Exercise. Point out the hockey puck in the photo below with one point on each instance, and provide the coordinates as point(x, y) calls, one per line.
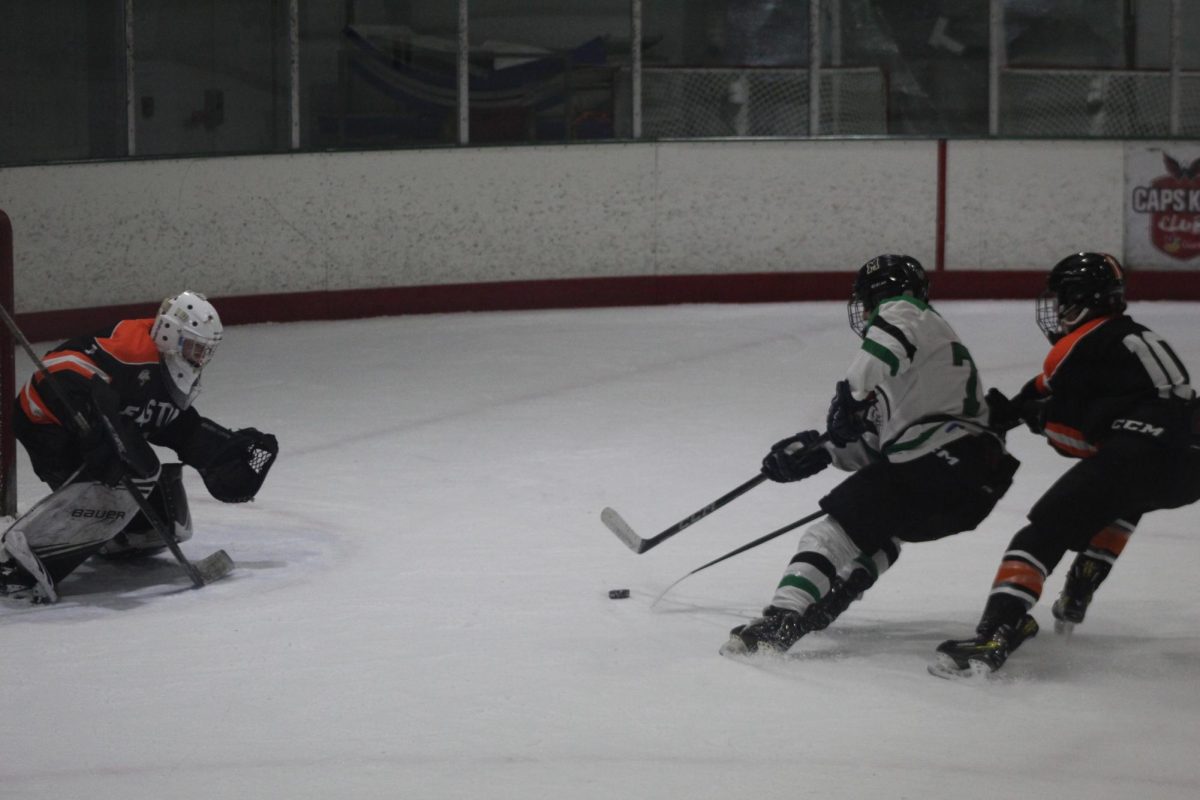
point(618, 594)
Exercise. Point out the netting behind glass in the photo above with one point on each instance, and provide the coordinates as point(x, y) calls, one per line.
point(695, 102)
point(1107, 103)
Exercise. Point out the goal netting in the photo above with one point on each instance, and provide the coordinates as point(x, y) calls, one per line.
point(1103, 103)
point(703, 102)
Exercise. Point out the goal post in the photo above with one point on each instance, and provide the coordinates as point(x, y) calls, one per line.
point(8, 450)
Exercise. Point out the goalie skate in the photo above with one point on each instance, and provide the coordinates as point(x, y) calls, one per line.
point(38, 586)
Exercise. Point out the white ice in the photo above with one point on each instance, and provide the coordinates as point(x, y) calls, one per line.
point(420, 606)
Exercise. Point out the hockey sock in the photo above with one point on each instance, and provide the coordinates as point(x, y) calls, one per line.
point(824, 550)
point(876, 563)
point(1016, 588)
point(1108, 544)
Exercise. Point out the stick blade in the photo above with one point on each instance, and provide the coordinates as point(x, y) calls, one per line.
point(613, 521)
point(213, 567)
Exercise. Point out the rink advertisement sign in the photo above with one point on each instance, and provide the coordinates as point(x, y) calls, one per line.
point(1162, 205)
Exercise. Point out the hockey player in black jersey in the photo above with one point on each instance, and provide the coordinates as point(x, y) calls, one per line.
point(133, 386)
point(1113, 394)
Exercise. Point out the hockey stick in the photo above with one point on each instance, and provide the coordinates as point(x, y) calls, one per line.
point(212, 567)
point(762, 539)
point(637, 544)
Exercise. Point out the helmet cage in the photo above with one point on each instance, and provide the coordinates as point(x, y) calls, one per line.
point(1081, 287)
point(186, 332)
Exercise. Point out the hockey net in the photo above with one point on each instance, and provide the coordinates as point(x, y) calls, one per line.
point(1103, 103)
point(703, 102)
point(8, 450)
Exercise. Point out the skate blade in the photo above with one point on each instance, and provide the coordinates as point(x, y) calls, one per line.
point(735, 647)
point(945, 667)
point(1063, 627)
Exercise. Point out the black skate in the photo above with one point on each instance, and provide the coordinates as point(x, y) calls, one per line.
point(983, 655)
point(1084, 577)
point(775, 631)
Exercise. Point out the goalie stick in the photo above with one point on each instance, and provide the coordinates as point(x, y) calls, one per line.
point(617, 524)
point(212, 567)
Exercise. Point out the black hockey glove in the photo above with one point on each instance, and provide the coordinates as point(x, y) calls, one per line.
point(1003, 414)
point(796, 458)
point(1026, 406)
point(238, 468)
point(847, 420)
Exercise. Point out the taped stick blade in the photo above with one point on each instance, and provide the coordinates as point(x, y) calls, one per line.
point(612, 520)
point(214, 567)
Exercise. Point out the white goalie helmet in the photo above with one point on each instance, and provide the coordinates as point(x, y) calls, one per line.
point(186, 332)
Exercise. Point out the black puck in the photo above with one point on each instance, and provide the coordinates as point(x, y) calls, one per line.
point(618, 594)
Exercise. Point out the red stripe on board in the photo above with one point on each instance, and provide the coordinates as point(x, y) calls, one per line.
point(772, 287)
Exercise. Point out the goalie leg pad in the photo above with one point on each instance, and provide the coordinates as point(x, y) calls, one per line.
point(169, 501)
point(70, 524)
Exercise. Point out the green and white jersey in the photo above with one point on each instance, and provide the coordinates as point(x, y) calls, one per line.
point(927, 390)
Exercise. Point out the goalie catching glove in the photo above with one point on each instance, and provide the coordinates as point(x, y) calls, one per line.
point(239, 465)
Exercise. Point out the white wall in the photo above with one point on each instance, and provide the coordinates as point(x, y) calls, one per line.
point(1023, 204)
point(91, 235)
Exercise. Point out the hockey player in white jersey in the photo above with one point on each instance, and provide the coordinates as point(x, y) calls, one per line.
point(910, 423)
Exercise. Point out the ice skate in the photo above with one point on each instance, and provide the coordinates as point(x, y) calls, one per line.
point(22, 574)
point(775, 631)
point(1071, 607)
point(983, 654)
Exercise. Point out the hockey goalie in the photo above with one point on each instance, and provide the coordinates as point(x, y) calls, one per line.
point(88, 421)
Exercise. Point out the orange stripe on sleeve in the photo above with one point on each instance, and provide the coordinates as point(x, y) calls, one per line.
point(35, 408)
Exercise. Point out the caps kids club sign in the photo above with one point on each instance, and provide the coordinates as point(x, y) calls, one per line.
point(1162, 209)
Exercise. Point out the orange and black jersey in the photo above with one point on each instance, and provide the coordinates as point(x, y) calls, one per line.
point(118, 370)
point(1113, 376)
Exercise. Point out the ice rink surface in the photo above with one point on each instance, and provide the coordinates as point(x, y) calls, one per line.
point(420, 607)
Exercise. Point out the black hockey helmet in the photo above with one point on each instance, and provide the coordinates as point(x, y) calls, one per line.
point(1081, 287)
point(883, 277)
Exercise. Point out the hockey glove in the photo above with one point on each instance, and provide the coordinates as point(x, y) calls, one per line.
point(1026, 406)
point(847, 420)
point(1003, 414)
point(238, 469)
point(796, 458)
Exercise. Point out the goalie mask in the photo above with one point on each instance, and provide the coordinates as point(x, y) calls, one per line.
point(1081, 287)
point(880, 278)
point(186, 332)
